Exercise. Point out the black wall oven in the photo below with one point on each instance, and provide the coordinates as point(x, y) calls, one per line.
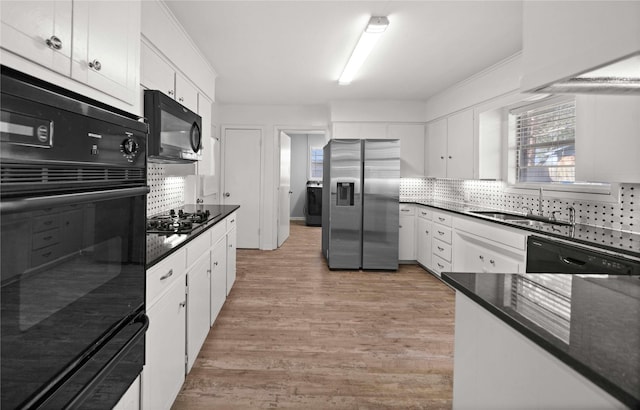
point(73, 204)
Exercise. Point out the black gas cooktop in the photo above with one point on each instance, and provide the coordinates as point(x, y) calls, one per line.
point(178, 222)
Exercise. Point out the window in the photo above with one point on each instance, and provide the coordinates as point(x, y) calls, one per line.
point(315, 163)
point(545, 142)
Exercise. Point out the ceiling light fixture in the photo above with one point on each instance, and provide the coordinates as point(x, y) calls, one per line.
point(369, 37)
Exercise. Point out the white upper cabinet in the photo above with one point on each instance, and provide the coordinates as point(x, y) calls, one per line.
point(186, 93)
point(95, 43)
point(156, 73)
point(106, 46)
point(565, 38)
point(39, 31)
point(411, 138)
point(608, 138)
point(449, 152)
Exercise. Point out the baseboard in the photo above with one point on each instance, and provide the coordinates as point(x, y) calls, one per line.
point(297, 218)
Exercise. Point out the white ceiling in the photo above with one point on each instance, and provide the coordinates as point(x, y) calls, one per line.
point(292, 52)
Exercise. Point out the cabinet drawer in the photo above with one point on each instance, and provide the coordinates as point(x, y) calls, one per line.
point(46, 222)
point(442, 233)
point(441, 249)
point(442, 218)
point(424, 213)
point(440, 265)
point(161, 276)
point(198, 247)
point(231, 221)
point(45, 238)
point(218, 231)
point(44, 255)
point(407, 209)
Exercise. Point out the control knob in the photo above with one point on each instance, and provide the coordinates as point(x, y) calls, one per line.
point(129, 148)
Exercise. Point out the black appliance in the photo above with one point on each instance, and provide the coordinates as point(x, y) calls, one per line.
point(174, 130)
point(549, 256)
point(313, 204)
point(72, 279)
point(179, 222)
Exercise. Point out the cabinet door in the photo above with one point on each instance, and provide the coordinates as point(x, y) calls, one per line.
point(198, 308)
point(411, 138)
point(186, 93)
point(436, 148)
point(206, 162)
point(460, 145)
point(218, 278)
point(607, 143)
point(155, 72)
point(231, 259)
point(406, 237)
point(28, 25)
point(164, 370)
point(423, 234)
point(106, 47)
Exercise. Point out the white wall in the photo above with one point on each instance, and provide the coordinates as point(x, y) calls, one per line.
point(377, 111)
point(271, 119)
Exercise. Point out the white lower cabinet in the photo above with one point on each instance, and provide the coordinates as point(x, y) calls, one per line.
point(198, 307)
point(231, 258)
point(130, 400)
point(407, 233)
point(164, 370)
point(218, 278)
point(423, 251)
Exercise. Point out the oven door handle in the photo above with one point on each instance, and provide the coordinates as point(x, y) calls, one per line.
point(43, 202)
point(83, 394)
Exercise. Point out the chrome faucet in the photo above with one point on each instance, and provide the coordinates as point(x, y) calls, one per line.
point(572, 215)
point(540, 203)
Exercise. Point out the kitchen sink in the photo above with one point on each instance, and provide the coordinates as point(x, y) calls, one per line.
point(527, 220)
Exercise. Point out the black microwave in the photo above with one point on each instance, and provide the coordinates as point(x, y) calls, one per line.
point(174, 130)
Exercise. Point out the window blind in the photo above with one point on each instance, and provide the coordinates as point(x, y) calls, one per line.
point(316, 163)
point(545, 142)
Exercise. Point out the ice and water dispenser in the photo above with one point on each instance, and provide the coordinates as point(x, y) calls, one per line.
point(345, 194)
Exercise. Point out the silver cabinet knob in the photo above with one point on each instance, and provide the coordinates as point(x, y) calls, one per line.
point(441, 157)
point(481, 257)
point(54, 43)
point(491, 261)
point(183, 304)
point(227, 194)
point(170, 92)
point(95, 64)
point(180, 99)
point(450, 157)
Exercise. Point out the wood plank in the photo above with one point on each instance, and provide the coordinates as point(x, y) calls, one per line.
point(293, 334)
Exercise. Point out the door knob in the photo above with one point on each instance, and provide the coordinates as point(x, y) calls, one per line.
point(227, 194)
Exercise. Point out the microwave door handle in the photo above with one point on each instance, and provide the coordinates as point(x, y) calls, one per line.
point(42, 202)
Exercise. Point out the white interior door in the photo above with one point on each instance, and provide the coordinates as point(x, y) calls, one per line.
point(242, 164)
point(284, 189)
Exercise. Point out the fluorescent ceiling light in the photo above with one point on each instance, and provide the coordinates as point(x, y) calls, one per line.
point(368, 39)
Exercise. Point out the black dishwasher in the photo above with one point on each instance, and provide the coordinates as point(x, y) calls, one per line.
point(549, 256)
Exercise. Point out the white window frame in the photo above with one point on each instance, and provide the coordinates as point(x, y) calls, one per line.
point(310, 164)
point(604, 192)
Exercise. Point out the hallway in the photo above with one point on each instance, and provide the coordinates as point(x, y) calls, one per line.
point(293, 334)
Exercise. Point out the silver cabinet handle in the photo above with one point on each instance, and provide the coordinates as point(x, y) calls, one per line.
point(481, 257)
point(170, 92)
point(180, 99)
point(227, 194)
point(441, 219)
point(423, 212)
point(441, 157)
point(400, 226)
point(95, 64)
point(440, 249)
point(427, 232)
point(440, 266)
point(54, 43)
point(167, 275)
point(183, 303)
point(450, 157)
point(404, 210)
point(441, 233)
point(232, 221)
point(215, 263)
point(491, 261)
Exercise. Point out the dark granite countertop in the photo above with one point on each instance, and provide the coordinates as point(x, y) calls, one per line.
point(589, 322)
point(627, 243)
point(159, 246)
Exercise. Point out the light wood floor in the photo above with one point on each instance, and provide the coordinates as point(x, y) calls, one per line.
point(293, 334)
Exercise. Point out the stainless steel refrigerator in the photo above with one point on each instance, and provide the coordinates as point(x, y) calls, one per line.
point(361, 180)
